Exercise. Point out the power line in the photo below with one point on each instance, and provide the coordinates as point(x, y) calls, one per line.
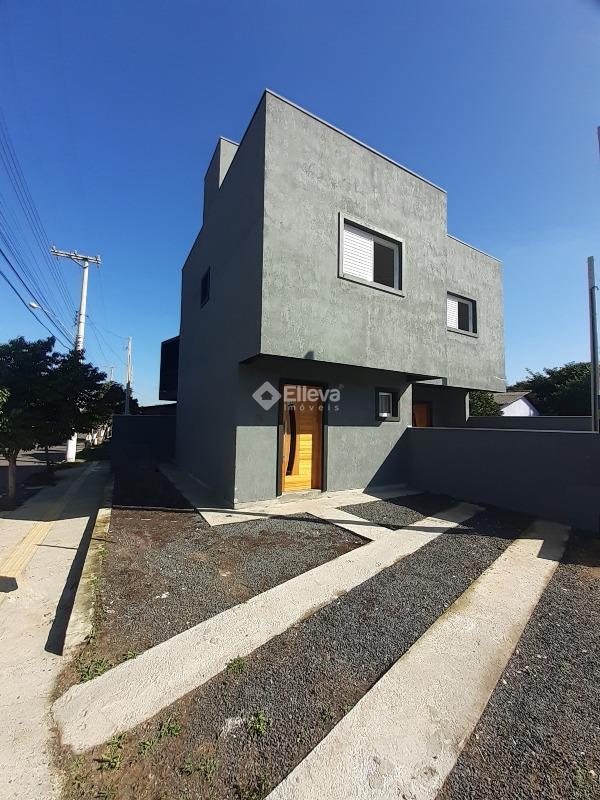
point(107, 344)
point(29, 210)
point(36, 277)
point(16, 291)
point(35, 294)
point(46, 313)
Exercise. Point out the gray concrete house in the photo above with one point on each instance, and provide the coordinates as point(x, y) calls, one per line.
point(324, 310)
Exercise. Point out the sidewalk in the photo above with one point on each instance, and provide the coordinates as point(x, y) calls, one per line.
point(42, 546)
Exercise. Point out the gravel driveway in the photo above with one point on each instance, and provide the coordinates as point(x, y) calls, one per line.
point(165, 569)
point(245, 730)
point(539, 737)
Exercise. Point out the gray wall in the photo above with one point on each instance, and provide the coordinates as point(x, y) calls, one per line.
point(551, 474)
point(142, 439)
point(312, 174)
point(361, 451)
point(216, 337)
point(476, 361)
point(215, 174)
point(532, 423)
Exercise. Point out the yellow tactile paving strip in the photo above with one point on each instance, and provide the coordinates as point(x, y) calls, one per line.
point(14, 564)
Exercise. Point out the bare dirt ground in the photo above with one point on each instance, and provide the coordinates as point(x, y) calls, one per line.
point(165, 569)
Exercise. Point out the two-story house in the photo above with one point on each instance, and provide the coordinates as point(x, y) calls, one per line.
point(324, 309)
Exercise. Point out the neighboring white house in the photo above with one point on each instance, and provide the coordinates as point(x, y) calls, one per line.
point(515, 404)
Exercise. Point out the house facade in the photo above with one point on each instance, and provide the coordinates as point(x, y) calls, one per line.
point(516, 404)
point(324, 310)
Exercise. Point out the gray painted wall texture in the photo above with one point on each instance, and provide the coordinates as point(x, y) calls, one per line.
point(142, 439)
point(551, 474)
point(214, 338)
point(313, 174)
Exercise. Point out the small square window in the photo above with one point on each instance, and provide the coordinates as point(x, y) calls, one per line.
point(461, 314)
point(386, 404)
point(205, 288)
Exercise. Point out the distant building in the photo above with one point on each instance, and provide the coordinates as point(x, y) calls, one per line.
point(516, 404)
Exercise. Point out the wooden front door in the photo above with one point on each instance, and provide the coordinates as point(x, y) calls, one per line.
point(302, 450)
point(421, 415)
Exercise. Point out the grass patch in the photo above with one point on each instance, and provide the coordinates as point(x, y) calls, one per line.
point(206, 767)
point(111, 757)
point(169, 728)
point(237, 666)
point(129, 655)
point(145, 746)
point(257, 723)
point(89, 670)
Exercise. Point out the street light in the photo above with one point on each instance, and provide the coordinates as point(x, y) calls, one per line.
point(37, 306)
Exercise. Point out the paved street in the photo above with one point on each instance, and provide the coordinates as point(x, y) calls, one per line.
point(42, 547)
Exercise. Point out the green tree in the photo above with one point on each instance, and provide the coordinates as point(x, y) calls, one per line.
point(50, 396)
point(25, 368)
point(482, 404)
point(559, 391)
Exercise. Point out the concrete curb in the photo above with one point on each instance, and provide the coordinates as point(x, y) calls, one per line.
point(82, 614)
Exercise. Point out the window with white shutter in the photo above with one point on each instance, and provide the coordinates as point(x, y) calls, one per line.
point(460, 314)
point(370, 258)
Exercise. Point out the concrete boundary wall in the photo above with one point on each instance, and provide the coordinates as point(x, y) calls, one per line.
point(142, 439)
point(532, 423)
point(551, 474)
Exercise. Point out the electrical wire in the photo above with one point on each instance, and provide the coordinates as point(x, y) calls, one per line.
point(17, 257)
point(16, 291)
point(107, 344)
point(37, 225)
point(22, 192)
point(56, 324)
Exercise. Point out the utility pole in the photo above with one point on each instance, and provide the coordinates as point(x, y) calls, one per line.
point(83, 262)
point(593, 288)
point(128, 382)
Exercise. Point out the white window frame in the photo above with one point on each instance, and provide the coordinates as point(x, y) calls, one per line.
point(471, 304)
point(384, 238)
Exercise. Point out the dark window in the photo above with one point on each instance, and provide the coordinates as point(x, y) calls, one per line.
point(169, 369)
point(383, 265)
point(463, 316)
point(205, 288)
point(386, 404)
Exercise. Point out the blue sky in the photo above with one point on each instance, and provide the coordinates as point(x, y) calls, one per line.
point(115, 107)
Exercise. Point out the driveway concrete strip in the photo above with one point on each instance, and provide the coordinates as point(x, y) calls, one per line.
point(90, 713)
point(26, 619)
point(405, 735)
point(197, 494)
